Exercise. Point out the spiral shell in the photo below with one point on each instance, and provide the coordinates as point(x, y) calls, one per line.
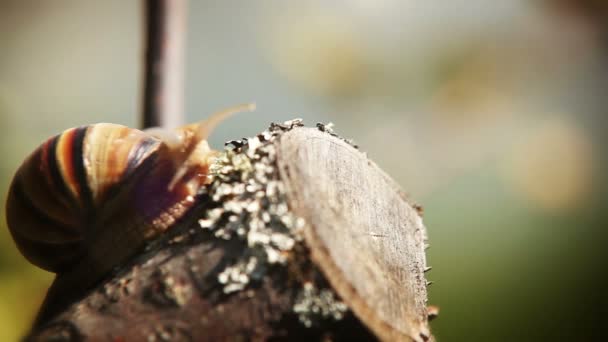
point(95, 194)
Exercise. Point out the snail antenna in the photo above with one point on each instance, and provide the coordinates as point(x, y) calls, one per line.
point(199, 150)
point(207, 126)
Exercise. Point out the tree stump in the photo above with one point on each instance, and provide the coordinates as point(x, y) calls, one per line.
point(299, 236)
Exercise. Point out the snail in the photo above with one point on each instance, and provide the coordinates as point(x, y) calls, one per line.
point(91, 196)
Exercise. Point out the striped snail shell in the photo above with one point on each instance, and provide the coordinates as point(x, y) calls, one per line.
point(95, 194)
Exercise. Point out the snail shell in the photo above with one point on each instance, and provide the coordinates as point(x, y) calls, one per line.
point(95, 194)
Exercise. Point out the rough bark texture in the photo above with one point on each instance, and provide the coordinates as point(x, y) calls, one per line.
point(361, 244)
point(171, 295)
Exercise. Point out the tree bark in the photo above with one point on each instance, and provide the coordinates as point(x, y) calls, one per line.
point(324, 246)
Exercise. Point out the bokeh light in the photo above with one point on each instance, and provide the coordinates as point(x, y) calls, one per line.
point(554, 168)
point(489, 114)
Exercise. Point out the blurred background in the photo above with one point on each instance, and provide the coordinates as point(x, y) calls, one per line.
point(491, 114)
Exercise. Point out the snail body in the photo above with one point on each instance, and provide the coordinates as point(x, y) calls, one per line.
point(93, 195)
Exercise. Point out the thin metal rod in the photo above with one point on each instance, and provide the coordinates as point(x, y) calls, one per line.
point(163, 98)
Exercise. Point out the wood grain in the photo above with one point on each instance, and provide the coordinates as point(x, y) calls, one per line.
point(364, 235)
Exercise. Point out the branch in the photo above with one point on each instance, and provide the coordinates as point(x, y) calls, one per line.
point(164, 63)
point(298, 237)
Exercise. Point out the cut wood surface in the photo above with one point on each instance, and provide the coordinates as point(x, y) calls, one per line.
point(363, 234)
point(362, 241)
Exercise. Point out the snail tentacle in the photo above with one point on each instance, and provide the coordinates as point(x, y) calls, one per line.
point(205, 127)
point(89, 198)
point(194, 137)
